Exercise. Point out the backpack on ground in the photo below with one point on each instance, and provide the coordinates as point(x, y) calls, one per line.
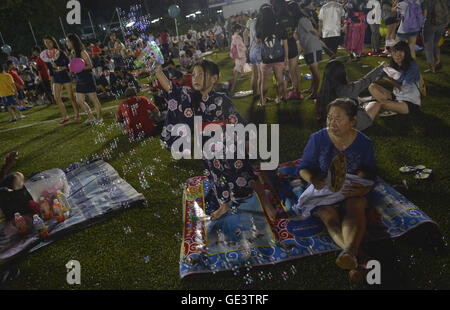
point(272, 49)
point(413, 19)
point(441, 13)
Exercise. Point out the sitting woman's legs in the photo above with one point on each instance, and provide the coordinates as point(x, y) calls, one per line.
point(330, 217)
point(395, 106)
point(379, 93)
point(354, 223)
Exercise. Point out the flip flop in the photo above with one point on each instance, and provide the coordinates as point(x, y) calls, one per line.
point(422, 175)
point(420, 167)
point(407, 169)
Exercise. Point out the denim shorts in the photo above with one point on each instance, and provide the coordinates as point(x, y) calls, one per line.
point(407, 35)
point(255, 56)
point(9, 101)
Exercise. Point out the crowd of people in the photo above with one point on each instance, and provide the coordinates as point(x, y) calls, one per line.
point(266, 42)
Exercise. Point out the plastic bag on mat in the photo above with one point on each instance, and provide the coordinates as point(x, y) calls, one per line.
point(47, 184)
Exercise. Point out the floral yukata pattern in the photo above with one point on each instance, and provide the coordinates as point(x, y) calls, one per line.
point(227, 176)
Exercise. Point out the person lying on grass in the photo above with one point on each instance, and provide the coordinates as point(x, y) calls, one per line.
point(340, 138)
point(226, 176)
point(336, 85)
point(405, 98)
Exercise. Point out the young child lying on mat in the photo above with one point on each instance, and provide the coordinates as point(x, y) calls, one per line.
point(226, 176)
point(14, 197)
point(312, 198)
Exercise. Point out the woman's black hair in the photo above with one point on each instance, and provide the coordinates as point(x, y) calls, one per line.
point(334, 76)
point(55, 43)
point(280, 8)
point(36, 49)
point(406, 63)
point(77, 44)
point(294, 11)
point(265, 22)
point(305, 3)
point(348, 105)
point(208, 67)
point(236, 27)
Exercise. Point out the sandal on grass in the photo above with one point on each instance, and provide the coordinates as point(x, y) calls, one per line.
point(407, 169)
point(423, 174)
point(346, 260)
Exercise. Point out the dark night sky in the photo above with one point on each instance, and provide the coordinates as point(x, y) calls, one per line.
point(103, 9)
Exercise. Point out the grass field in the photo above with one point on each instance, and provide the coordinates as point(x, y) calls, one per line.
point(113, 259)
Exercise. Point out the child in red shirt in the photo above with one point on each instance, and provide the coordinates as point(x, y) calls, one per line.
point(138, 114)
point(20, 85)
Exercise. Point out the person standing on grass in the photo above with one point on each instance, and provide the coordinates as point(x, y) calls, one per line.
point(20, 85)
point(374, 21)
point(288, 16)
point(411, 22)
point(8, 90)
point(86, 84)
point(44, 75)
point(312, 51)
point(238, 52)
point(355, 28)
point(61, 78)
point(437, 18)
point(391, 21)
point(274, 52)
point(96, 51)
point(331, 17)
point(255, 59)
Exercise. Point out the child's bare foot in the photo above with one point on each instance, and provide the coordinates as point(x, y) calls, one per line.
point(223, 209)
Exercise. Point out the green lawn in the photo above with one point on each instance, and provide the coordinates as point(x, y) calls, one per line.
point(113, 259)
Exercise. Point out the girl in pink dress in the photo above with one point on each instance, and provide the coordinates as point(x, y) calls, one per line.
point(238, 51)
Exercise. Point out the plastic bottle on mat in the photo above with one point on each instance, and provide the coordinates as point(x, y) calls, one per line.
point(21, 225)
point(40, 227)
point(58, 211)
point(46, 212)
point(62, 198)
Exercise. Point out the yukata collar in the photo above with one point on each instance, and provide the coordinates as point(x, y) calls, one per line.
point(209, 95)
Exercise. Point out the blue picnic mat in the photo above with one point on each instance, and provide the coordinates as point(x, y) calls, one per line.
point(97, 192)
point(245, 236)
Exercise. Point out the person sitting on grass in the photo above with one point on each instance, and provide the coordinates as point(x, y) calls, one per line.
point(138, 114)
point(186, 62)
point(227, 176)
point(336, 85)
point(14, 197)
point(121, 80)
point(340, 137)
point(406, 95)
point(8, 90)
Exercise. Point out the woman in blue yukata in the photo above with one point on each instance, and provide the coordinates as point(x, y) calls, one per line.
point(228, 177)
point(341, 138)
